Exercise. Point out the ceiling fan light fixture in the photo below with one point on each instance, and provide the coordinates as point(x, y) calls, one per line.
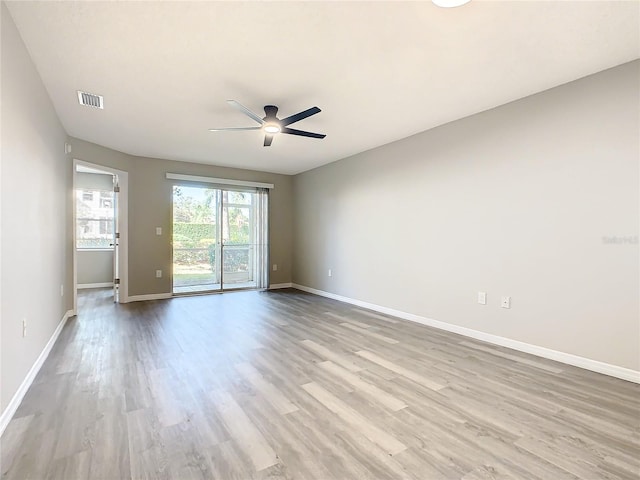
point(272, 128)
point(450, 3)
point(271, 125)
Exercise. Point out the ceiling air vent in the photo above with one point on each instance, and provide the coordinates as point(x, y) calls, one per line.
point(90, 100)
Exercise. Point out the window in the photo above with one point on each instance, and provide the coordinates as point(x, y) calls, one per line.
point(106, 199)
point(94, 218)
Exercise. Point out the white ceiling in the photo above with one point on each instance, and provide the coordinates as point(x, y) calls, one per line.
point(380, 71)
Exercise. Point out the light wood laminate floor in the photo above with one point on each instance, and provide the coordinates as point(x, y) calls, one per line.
point(287, 385)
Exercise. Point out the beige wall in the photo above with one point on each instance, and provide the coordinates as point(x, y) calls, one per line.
point(514, 201)
point(150, 195)
point(36, 252)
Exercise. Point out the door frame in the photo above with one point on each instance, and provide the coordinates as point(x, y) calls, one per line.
point(218, 262)
point(220, 205)
point(122, 227)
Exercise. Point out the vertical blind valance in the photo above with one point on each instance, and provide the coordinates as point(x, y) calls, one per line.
point(222, 182)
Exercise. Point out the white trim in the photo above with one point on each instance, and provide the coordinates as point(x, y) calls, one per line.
point(218, 181)
point(276, 286)
point(94, 285)
point(150, 296)
point(13, 405)
point(568, 358)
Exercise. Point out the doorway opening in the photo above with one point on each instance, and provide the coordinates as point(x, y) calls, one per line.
point(219, 239)
point(99, 229)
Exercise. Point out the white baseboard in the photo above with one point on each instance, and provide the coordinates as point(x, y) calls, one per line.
point(82, 286)
point(276, 286)
point(8, 412)
point(568, 358)
point(150, 296)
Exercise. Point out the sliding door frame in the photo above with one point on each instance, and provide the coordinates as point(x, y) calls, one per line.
point(252, 188)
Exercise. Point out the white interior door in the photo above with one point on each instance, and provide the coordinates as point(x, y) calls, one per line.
point(116, 241)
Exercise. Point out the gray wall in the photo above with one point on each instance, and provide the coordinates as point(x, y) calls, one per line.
point(514, 201)
point(36, 248)
point(150, 197)
point(94, 266)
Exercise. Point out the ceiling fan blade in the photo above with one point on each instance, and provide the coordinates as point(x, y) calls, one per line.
point(299, 116)
point(267, 140)
point(233, 128)
point(245, 110)
point(302, 133)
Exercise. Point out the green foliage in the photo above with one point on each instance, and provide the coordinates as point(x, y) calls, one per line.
point(236, 260)
point(190, 257)
point(195, 215)
point(193, 235)
point(187, 209)
point(206, 242)
point(237, 225)
point(212, 257)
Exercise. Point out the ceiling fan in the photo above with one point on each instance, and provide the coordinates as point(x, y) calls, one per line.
point(271, 124)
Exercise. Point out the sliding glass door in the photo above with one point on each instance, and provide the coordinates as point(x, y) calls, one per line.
point(219, 239)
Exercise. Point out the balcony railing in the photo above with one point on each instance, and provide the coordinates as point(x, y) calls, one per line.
point(201, 266)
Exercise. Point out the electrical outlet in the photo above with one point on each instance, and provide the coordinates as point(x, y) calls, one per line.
point(329, 273)
point(158, 273)
point(506, 302)
point(24, 327)
point(482, 298)
point(275, 267)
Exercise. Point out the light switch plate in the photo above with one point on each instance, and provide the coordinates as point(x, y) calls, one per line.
point(158, 230)
point(482, 298)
